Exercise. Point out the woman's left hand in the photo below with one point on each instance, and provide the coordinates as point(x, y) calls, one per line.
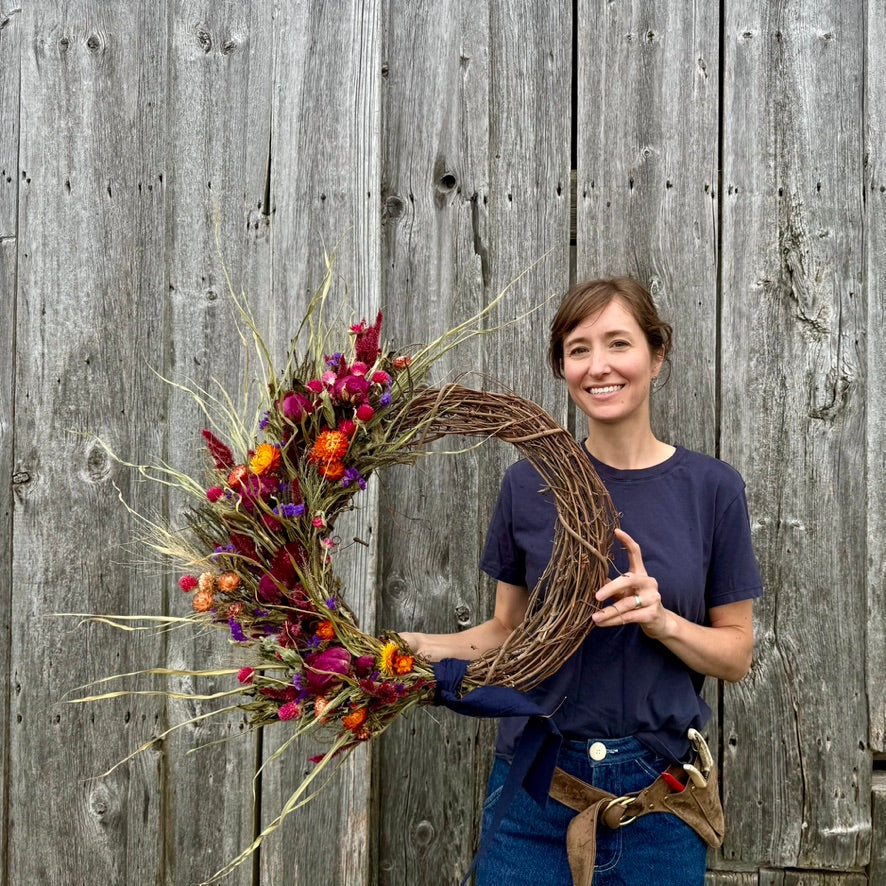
point(635, 596)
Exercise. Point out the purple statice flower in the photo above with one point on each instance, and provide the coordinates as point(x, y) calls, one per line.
point(289, 511)
point(263, 421)
point(236, 630)
point(352, 475)
point(334, 361)
point(298, 681)
point(385, 399)
point(314, 641)
point(330, 603)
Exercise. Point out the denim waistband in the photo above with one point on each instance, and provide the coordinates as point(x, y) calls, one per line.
point(618, 750)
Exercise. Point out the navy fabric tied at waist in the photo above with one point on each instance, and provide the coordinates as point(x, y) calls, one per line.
point(535, 756)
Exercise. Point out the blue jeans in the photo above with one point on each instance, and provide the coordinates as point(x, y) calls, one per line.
point(529, 848)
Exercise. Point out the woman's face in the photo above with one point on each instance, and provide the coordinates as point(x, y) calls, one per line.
point(609, 366)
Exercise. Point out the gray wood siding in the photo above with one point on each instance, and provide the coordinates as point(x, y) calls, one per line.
point(732, 157)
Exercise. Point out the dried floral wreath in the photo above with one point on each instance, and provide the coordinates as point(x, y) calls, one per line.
point(258, 547)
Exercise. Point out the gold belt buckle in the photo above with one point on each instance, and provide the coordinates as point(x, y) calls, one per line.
point(624, 801)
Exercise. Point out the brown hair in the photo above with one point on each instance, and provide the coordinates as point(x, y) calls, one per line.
point(590, 296)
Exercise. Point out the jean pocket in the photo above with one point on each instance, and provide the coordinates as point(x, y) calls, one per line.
point(652, 766)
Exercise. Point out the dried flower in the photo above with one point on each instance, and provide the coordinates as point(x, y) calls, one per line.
point(326, 630)
point(188, 583)
point(387, 657)
point(403, 664)
point(244, 675)
point(364, 412)
point(203, 601)
point(402, 362)
point(236, 630)
point(237, 476)
point(366, 343)
point(332, 470)
point(214, 493)
point(206, 582)
point(329, 446)
point(221, 454)
point(228, 581)
point(266, 459)
point(320, 705)
point(289, 711)
point(355, 719)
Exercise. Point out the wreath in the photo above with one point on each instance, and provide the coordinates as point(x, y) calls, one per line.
point(257, 548)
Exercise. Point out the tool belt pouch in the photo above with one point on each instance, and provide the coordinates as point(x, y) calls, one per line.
point(699, 807)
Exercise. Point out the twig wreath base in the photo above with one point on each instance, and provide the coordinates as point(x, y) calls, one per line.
point(559, 613)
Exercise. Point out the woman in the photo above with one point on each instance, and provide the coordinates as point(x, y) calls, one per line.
point(678, 605)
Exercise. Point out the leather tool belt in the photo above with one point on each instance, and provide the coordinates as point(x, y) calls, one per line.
point(698, 804)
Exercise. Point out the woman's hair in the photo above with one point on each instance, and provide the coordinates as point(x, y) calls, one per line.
point(591, 296)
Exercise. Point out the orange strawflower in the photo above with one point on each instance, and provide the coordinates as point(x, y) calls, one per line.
point(403, 664)
point(203, 601)
point(320, 705)
point(228, 581)
point(355, 719)
point(207, 582)
point(266, 459)
point(332, 470)
point(326, 630)
point(329, 446)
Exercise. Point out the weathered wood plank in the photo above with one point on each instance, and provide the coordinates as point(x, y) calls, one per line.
point(89, 277)
point(877, 869)
point(647, 183)
point(324, 186)
point(730, 878)
point(219, 111)
point(874, 183)
point(435, 179)
point(793, 424)
point(812, 878)
point(10, 57)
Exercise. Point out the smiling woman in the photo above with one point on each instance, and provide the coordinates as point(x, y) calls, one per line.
point(677, 607)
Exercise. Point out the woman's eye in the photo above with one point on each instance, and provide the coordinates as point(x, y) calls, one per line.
point(620, 344)
point(577, 351)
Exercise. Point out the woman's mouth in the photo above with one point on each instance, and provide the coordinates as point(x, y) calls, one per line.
point(603, 389)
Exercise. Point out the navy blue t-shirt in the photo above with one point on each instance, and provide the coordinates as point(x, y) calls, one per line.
point(689, 516)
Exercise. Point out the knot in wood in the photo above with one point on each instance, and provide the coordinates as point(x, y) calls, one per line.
point(94, 43)
point(204, 40)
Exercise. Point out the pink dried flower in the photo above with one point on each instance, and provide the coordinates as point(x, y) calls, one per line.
point(188, 582)
point(244, 675)
point(221, 454)
point(381, 378)
point(315, 386)
point(364, 412)
point(289, 711)
point(214, 493)
point(347, 427)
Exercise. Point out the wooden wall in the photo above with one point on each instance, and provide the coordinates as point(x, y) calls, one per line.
point(732, 156)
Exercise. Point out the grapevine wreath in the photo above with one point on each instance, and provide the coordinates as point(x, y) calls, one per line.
point(258, 548)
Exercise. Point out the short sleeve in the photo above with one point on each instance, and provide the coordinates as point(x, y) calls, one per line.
point(734, 573)
point(502, 558)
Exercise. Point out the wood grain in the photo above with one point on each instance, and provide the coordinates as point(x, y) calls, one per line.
point(646, 179)
point(874, 183)
point(10, 61)
point(90, 278)
point(793, 423)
